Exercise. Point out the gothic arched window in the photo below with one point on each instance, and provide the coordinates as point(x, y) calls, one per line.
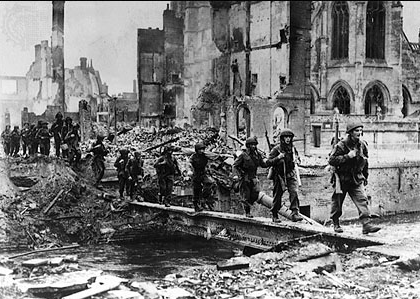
point(374, 101)
point(340, 30)
point(342, 100)
point(375, 30)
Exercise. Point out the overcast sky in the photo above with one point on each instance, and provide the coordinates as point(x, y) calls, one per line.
point(104, 31)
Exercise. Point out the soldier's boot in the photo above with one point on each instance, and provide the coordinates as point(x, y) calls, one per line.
point(295, 216)
point(368, 227)
point(167, 201)
point(337, 227)
point(275, 217)
point(248, 211)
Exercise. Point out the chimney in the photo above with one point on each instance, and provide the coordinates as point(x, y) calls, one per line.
point(134, 86)
point(37, 52)
point(83, 61)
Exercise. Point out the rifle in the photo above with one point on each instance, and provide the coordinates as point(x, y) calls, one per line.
point(336, 177)
point(262, 153)
point(161, 144)
point(270, 170)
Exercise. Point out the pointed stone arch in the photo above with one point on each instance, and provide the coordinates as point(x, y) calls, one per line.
point(376, 98)
point(406, 101)
point(341, 96)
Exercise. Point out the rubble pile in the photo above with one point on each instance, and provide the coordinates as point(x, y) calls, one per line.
point(61, 206)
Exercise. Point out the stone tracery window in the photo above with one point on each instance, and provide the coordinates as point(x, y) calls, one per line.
point(340, 30)
point(342, 100)
point(375, 30)
point(374, 101)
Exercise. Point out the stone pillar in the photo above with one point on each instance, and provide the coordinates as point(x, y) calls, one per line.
point(57, 48)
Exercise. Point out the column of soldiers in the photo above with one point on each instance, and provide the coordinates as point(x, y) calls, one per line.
point(36, 138)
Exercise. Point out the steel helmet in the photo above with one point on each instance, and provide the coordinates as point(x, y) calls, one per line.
point(287, 132)
point(251, 140)
point(199, 146)
point(353, 125)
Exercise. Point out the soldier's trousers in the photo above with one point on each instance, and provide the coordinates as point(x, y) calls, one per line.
point(357, 195)
point(249, 191)
point(292, 187)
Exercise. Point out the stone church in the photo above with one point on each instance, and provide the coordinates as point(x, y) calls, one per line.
point(256, 67)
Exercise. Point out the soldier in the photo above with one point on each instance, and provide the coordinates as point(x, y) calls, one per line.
point(5, 136)
point(166, 169)
point(72, 139)
point(350, 158)
point(99, 152)
point(245, 169)
point(15, 141)
point(135, 172)
point(201, 181)
point(284, 175)
point(44, 137)
point(56, 130)
point(32, 143)
point(35, 139)
point(121, 165)
point(68, 125)
point(25, 134)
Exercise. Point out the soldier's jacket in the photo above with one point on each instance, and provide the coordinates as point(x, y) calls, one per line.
point(121, 164)
point(166, 166)
point(246, 164)
point(289, 164)
point(26, 135)
point(135, 166)
point(198, 163)
point(350, 171)
point(6, 136)
point(99, 150)
point(15, 136)
point(43, 135)
point(56, 130)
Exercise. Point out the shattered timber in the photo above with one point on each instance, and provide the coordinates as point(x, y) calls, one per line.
point(49, 206)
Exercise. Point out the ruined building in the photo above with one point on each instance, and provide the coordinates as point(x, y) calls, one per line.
point(160, 71)
point(260, 66)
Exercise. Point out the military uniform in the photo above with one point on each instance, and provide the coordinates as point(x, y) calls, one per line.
point(353, 174)
point(15, 142)
point(202, 183)
point(245, 170)
point(98, 164)
point(25, 135)
point(121, 165)
point(166, 168)
point(284, 176)
point(136, 172)
point(44, 137)
point(6, 138)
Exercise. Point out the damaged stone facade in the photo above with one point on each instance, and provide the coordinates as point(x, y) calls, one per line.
point(257, 52)
point(160, 71)
point(363, 64)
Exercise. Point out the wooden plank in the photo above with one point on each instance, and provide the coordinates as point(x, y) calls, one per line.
point(44, 250)
point(97, 288)
point(52, 203)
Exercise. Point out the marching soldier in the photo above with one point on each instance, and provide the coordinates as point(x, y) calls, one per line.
point(245, 170)
point(15, 141)
point(166, 168)
point(135, 172)
point(285, 176)
point(25, 134)
point(201, 181)
point(98, 164)
point(44, 137)
point(56, 130)
point(121, 165)
point(5, 136)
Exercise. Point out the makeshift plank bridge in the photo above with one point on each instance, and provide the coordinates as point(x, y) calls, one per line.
point(254, 234)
